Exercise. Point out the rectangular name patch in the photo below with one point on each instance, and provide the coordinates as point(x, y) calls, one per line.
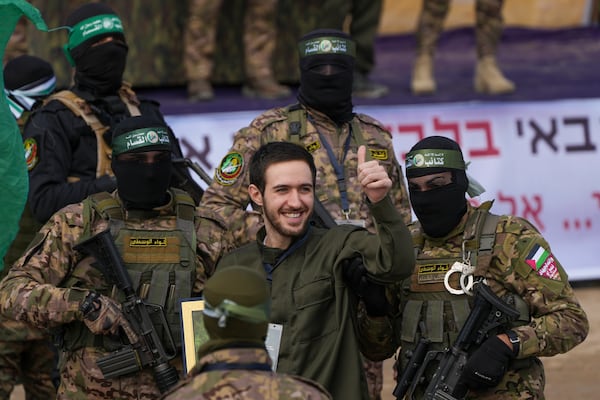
point(431, 273)
point(147, 242)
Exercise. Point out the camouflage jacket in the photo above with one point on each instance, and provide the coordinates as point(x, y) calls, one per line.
point(246, 383)
point(228, 194)
point(34, 290)
point(522, 264)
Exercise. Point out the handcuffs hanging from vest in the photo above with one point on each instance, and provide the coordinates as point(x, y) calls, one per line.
point(466, 278)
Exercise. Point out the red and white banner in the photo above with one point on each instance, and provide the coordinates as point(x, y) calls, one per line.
point(538, 160)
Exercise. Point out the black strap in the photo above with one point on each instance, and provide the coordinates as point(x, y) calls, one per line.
point(225, 366)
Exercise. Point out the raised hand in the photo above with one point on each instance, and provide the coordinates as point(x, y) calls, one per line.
point(373, 177)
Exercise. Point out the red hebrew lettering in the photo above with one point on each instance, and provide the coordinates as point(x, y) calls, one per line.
point(490, 149)
point(411, 130)
point(596, 195)
point(510, 200)
point(532, 213)
point(451, 126)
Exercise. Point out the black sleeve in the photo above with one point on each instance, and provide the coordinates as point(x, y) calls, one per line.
point(62, 157)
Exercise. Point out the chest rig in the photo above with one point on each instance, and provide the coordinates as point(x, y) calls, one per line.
point(82, 109)
point(430, 309)
point(160, 259)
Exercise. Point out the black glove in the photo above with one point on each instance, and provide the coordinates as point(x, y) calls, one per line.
point(372, 294)
point(487, 365)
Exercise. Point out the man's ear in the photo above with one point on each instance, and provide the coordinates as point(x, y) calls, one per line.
point(255, 195)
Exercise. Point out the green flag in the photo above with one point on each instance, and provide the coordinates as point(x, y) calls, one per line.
point(14, 182)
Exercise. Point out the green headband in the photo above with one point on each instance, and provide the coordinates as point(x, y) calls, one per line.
point(140, 138)
point(435, 158)
point(94, 26)
point(255, 314)
point(327, 45)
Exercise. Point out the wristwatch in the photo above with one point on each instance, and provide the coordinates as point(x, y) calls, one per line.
point(514, 339)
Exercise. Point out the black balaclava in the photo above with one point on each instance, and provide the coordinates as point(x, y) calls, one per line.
point(438, 210)
point(330, 94)
point(141, 186)
point(99, 69)
point(27, 79)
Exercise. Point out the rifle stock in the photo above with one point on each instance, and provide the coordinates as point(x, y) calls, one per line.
point(149, 351)
point(184, 180)
point(489, 312)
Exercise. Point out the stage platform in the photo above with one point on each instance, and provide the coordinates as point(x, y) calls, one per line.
point(535, 150)
point(544, 64)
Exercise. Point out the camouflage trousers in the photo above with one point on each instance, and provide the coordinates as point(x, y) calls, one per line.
point(27, 357)
point(259, 38)
point(488, 25)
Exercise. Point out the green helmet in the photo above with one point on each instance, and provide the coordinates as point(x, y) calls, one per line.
point(236, 304)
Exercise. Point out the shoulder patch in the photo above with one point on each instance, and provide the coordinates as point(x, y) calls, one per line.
point(230, 169)
point(312, 147)
point(379, 154)
point(543, 263)
point(31, 153)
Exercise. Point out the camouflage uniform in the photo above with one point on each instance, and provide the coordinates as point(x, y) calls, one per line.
point(556, 322)
point(243, 383)
point(228, 194)
point(259, 38)
point(34, 291)
point(488, 25)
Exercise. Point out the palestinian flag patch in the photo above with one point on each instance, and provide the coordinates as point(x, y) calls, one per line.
point(542, 262)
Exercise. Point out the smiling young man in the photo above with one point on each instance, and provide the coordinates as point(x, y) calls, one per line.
point(311, 301)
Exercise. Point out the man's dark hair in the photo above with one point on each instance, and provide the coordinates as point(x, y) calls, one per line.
point(277, 152)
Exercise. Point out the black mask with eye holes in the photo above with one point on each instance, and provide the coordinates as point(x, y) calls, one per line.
point(439, 210)
point(326, 80)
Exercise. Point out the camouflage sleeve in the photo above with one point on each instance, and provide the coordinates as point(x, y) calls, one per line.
point(227, 196)
point(213, 240)
point(375, 336)
point(526, 265)
point(376, 133)
point(30, 292)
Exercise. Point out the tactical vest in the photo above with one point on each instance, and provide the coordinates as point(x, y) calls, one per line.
point(160, 262)
point(82, 109)
point(297, 126)
point(444, 313)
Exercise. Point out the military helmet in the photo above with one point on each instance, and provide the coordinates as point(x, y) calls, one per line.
point(236, 304)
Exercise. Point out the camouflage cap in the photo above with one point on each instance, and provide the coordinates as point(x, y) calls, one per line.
point(236, 304)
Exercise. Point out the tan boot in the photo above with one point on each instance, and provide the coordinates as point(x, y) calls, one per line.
point(265, 88)
point(422, 75)
point(489, 78)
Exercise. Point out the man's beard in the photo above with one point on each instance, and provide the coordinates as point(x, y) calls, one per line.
point(274, 218)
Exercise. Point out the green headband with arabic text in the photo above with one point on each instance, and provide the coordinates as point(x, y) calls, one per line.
point(327, 45)
point(144, 139)
point(94, 26)
point(435, 158)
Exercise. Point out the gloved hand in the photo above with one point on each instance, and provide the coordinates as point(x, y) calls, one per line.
point(103, 316)
point(487, 365)
point(372, 294)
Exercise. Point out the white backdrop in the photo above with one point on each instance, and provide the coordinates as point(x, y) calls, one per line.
point(537, 160)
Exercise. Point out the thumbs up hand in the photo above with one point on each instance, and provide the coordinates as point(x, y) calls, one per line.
point(373, 177)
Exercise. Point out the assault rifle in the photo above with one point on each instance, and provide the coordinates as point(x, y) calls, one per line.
point(149, 351)
point(489, 312)
point(185, 181)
